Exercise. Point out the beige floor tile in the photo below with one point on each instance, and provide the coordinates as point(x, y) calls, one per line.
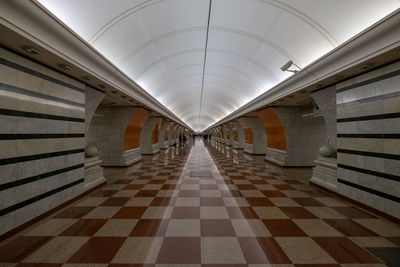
point(316, 227)
point(210, 193)
point(236, 202)
point(139, 201)
point(190, 187)
point(57, 250)
point(252, 193)
point(371, 241)
point(139, 250)
point(167, 193)
point(325, 213)
point(125, 193)
point(208, 181)
point(184, 227)
point(117, 227)
point(113, 187)
point(51, 227)
point(303, 250)
point(213, 213)
point(141, 181)
point(157, 213)
point(331, 202)
point(270, 213)
point(250, 228)
point(380, 226)
point(284, 202)
point(221, 250)
point(91, 201)
point(276, 181)
point(187, 202)
point(295, 193)
point(152, 187)
point(265, 187)
point(241, 181)
point(102, 213)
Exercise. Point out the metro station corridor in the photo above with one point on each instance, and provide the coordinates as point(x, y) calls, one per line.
point(203, 206)
point(181, 133)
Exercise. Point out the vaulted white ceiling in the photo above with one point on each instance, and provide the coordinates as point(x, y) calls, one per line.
point(203, 59)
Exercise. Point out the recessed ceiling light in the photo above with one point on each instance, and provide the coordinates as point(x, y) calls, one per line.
point(366, 66)
point(64, 66)
point(31, 50)
point(87, 78)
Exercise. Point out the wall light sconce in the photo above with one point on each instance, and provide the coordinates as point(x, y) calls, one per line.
point(289, 64)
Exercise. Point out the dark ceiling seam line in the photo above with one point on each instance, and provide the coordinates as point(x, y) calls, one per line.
point(205, 59)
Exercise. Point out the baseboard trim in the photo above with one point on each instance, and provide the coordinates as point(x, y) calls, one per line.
point(357, 203)
point(46, 214)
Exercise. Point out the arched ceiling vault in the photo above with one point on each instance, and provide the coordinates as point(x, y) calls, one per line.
point(203, 59)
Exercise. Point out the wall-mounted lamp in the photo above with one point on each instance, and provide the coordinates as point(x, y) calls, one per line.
point(288, 65)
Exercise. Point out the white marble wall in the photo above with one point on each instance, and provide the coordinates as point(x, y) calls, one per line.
point(368, 127)
point(42, 159)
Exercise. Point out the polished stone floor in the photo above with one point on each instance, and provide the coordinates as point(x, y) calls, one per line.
point(204, 205)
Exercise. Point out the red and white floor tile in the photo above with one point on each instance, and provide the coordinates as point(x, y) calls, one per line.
point(245, 214)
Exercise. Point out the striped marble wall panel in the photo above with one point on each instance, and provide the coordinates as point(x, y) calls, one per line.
point(368, 138)
point(41, 139)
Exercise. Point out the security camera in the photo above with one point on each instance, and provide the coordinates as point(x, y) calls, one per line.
point(287, 65)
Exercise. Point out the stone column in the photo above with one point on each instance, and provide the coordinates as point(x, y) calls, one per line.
point(259, 136)
point(305, 134)
point(165, 128)
point(146, 144)
point(93, 171)
point(241, 140)
point(325, 171)
point(108, 131)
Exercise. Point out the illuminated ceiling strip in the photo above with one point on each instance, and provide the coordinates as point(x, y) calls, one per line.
point(205, 59)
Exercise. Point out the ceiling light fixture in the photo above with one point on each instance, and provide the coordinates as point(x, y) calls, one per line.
point(64, 66)
point(31, 50)
point(87, 78)
point(289, 64)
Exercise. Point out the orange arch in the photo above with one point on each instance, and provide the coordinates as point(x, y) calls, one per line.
point(134, 128)
point(248, 132)
point(276, 136)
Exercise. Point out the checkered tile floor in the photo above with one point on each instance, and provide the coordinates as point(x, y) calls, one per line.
point(244, 215)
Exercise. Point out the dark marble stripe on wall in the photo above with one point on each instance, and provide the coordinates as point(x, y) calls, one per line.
point(368, 108)
point(39, 197)
point(42, 139)
point(26, 114)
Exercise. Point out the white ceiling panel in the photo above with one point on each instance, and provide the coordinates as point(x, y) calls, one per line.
point(203, 65)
